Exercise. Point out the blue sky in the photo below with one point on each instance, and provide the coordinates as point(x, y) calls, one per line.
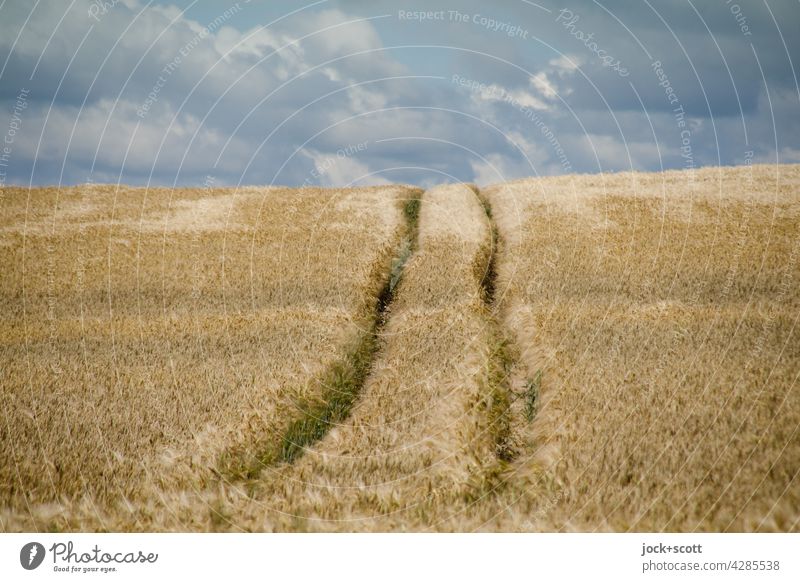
point(368, 92)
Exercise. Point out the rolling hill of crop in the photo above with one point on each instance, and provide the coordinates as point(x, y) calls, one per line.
point(577, 353)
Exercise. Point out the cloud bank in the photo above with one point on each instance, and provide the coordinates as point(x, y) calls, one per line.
point(350, 92)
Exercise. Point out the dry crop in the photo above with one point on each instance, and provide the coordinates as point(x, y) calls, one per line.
point(145, 332)
point(612, 352)
point(659, 314)
point(419, 444)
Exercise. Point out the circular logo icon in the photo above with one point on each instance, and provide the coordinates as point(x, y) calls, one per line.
point(31, 555)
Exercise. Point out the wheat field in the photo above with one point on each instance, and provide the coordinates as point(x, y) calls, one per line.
point(146, 332)
point(421, 437)
point(610, 352)
point(661, 311)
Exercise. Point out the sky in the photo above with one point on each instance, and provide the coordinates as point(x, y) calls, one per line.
point(352, 92)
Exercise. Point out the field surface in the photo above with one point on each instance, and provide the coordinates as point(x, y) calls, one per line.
point(612, 352)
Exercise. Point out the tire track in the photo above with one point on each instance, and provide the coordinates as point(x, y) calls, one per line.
point(429, 439)
point(343, 383)
point(340, 385)
point(513, 389)
point(502, 357)
point(421, 440)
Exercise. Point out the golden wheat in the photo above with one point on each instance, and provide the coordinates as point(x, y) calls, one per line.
point(613, 352)
point(661, 312)
point(145, 331)
point(419, 441)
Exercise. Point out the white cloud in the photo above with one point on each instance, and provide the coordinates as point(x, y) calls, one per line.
point(242, 88)
point(495, 93)
point(565, 64)
point(340, 168)
point(610, 153)
point(542, 84)
point(497, 168)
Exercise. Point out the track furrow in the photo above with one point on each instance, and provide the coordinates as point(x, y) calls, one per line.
point(336, 390)
point(420, 441)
